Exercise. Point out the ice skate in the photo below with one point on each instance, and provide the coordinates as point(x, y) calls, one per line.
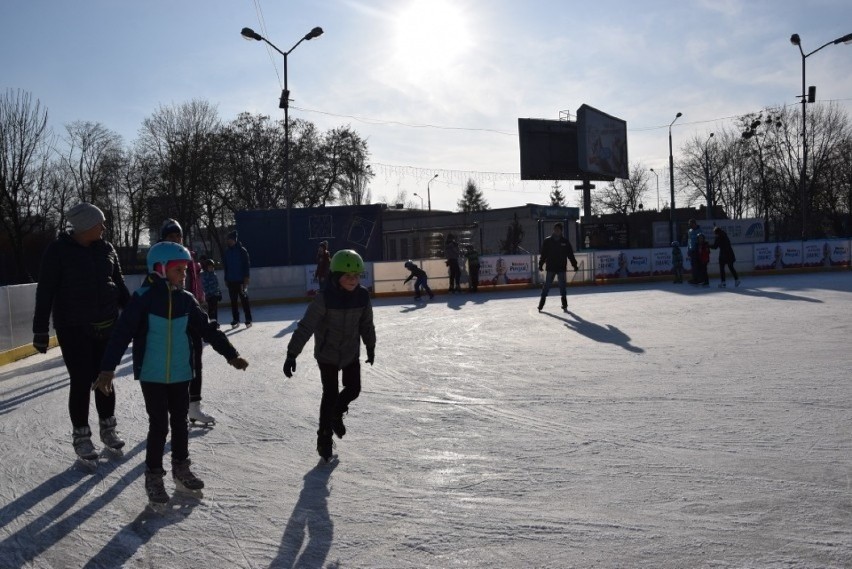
point(324, 444)
point(156, 490)
point(248, 324)
point(737, 282)
point(234, 324)
point(109, 436)
point(197, 415)
point(722, 285)
point(185, 481)
point(87, 455)
point(431, 296)
point(337, 426)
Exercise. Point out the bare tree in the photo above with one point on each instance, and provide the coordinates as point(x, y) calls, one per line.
point(24, 147)
point(92, 161)
point(623, 195)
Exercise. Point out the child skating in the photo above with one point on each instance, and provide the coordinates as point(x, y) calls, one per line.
point(158, 320)
point(339, 318)
point(421, 280)
point(212, 292)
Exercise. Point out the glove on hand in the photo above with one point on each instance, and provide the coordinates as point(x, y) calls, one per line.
point(371, 355)
point(541, 266)
point(289, 365)
point(40, 342)
point(575, 268)
point(239, 363)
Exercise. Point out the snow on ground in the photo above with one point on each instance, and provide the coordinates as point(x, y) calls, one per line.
point(654, 425)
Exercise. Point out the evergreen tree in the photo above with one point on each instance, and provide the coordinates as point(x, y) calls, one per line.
point(472, 199)
point(514, 236)
point(557, 198)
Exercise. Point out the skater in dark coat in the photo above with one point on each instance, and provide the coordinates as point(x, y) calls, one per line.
point(237, 274)
point(159, 320)
point(702, 259)
point(726, 255)
point(677, 262)
point(420, 280)
point(339, 318)
point(555, 253)
point(80, 283)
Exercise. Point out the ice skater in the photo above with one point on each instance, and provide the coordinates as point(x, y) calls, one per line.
point(421, 280)
point(81, 284)
point(677, 262)
point(726, 255)
point(339, 318)
point(554, 255)
point(158, 320)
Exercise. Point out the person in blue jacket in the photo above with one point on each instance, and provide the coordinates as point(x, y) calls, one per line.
point(420, 280)
point(159, 319)
point(237, 269)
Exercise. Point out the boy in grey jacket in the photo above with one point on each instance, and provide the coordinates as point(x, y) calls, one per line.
point(339, 318)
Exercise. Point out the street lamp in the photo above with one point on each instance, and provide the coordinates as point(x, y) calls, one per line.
point(658, 188)
point(797, 41)
point(428, 191)
point(421, 199)
point(284, 103)
point(671, 180)
point(708, 177)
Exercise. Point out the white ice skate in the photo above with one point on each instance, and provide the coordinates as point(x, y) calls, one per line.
point(196, 415)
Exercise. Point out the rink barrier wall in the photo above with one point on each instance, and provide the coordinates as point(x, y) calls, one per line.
point(273, 285)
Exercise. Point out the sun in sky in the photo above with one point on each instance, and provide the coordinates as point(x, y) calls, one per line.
point(431, 36)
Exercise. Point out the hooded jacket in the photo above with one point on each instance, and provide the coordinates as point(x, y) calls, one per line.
point(338, 320)
point(237, 264)
point(79, 285)
point(159, 319)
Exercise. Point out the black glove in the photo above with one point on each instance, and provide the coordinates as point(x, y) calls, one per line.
point(289, 365)
point(575, 268)
point(40, 342)
point(541, 266)
point(371, 355)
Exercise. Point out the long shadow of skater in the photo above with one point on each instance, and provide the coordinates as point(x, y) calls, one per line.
point(310, 515)
point(774, 295)
point(20, 548)
point(291, 328)
point(137, 533)
point(608, 334)
point(10, 404)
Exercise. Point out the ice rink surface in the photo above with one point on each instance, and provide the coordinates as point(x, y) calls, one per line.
point(653, 425)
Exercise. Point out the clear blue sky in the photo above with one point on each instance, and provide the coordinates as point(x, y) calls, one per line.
point(468, 68)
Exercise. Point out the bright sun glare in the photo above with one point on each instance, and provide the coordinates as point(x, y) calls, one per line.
point(431, 35)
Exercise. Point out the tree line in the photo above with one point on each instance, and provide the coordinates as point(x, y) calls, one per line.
point(186, 163)
point(752, 169)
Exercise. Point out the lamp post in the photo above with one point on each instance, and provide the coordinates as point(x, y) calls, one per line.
point(658, 188)
point(284, 103)
point(421, 199)
point(671, 180)
point(429, 192)
point(797, 41)
point(708, 178)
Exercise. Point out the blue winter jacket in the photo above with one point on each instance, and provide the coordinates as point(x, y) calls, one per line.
point(158, 319)
point(237, 264)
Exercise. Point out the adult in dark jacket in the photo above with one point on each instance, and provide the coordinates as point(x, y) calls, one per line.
point(727, 258)
point(80, 283)
point(555, 253)
point(339, 318)
point(453, 253)
point(323, 263)
point(237, 269)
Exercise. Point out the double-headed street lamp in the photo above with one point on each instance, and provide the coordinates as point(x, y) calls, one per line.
point(429, 192)
point(671, 181)
point(284, 103)
point(658, 187)
point(806, 98)
point(421, 199)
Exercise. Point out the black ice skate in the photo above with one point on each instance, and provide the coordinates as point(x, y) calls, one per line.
point(185, 481)
point(324, 444)
point(87, 455)
point(337, 426)
point(109, 436)
point(156, 490)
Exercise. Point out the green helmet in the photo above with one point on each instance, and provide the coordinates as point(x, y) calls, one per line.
point(347, 261)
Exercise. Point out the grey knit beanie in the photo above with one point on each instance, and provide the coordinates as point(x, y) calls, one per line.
point(84, 216)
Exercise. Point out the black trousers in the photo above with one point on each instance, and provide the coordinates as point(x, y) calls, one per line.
point(730, 266)
point(166, 404)
point(82, 349)
point(333, 402)
point(455, 274)
point(195, 384)
point(213, 308)
point(473, 273)
point(235, 291)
